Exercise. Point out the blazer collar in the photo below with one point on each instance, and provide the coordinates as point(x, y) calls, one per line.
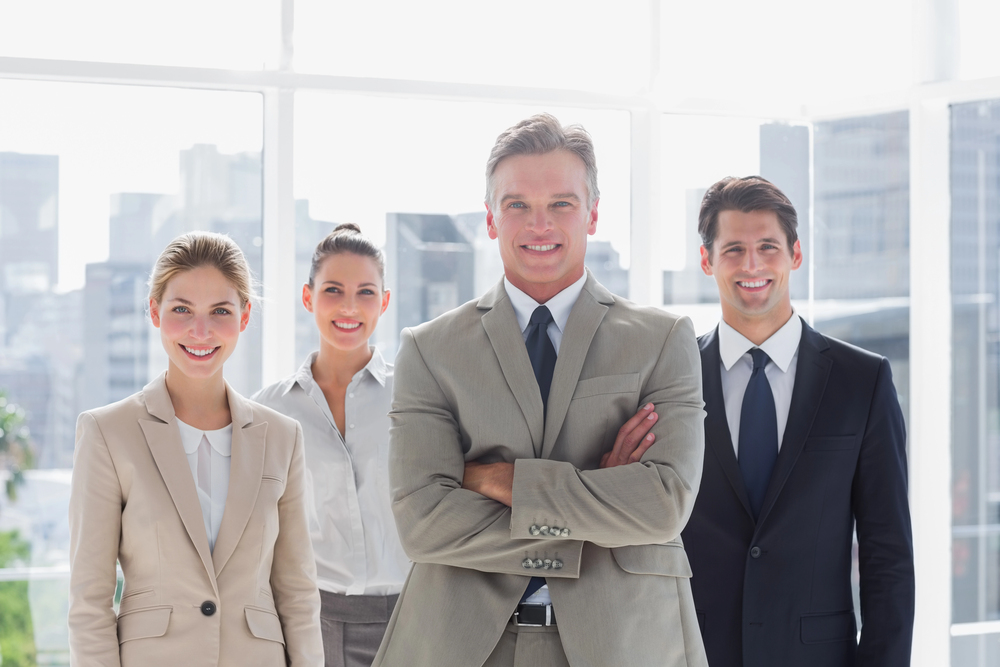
point(500, 323)
point(246, 467)
point(718, 440)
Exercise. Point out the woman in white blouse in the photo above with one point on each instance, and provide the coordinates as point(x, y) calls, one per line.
point(341, 395)
point(197, 492)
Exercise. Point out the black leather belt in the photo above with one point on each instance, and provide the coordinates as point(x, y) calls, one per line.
point(534, 614)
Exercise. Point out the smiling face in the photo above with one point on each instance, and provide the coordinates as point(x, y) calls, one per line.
point(751, 262)
point(200, 320)
point(347, 300)
point(541, 218)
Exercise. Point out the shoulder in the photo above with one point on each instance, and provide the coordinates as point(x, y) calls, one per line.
point(274, 419)
point(130, 408)
point(274, 394)
point(455, 318)
point(647, 322)
point(842, 352)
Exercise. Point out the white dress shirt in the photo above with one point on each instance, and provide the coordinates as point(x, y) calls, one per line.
point(737, 365)
point(559, 306)
point(354, 537)
point(213, 501)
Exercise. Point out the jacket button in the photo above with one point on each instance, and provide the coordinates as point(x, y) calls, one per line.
point(535, 530)
point(538, 563)
point(544, 530)
point(556, 564)
point(208, 607)
point(565, 532)
point(527, 564)
point(755, 552)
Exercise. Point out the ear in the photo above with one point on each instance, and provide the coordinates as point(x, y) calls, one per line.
point(245, 317)
point(592, 223)
point(796, 255)
point(307, 297)
point(706, 261)
point(491, 228)
point(385, 301)
point(154, 313)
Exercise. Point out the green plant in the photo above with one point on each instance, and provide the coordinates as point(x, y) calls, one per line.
point(17, 637)
point(15, 444)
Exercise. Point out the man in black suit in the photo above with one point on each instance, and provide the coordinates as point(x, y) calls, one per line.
point(804, 442)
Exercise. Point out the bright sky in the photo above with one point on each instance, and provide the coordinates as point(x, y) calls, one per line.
point(357, 158)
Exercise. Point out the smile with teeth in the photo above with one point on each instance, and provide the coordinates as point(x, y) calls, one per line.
point(199, 352)
point(347, 325)
point(542, 248)
point(752, 284)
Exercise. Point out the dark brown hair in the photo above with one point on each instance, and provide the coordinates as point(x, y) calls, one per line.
point(747, 194)
point(542, 134)
point(346, 237)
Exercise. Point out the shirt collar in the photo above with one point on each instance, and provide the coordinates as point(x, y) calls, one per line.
point(220, 439)
point(376, 367)
point(780, 347)
point(560, 305)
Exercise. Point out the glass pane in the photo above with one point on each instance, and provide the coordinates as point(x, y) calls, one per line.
point(975, 250)
point(94, 181)
point(411, 174)
point(697, 152)
point(784, 51)
point(569, 44)
point(860, 253)
point(233, 34)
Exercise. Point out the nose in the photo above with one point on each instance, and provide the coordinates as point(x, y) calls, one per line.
point(751, 261)
point(539, 220)
point(200, 328)
point(348, 304)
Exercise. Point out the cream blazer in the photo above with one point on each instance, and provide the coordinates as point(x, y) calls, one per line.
point(607, 541)
point(253, 601)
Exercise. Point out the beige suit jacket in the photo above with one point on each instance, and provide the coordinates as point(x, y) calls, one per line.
point(134, 500)
point(465, 391)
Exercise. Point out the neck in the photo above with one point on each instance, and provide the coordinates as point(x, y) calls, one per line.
point(339, 366)
point(200, 402)
point(757, 329)
point(542, 292)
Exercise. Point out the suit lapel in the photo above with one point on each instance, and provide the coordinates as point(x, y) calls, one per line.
point(718, 440)
point(164, 441)
point(246, 466)
point(811, 374)
point(587, 314)
point(501, 326)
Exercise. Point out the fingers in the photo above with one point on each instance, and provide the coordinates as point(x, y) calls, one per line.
point(633, 438)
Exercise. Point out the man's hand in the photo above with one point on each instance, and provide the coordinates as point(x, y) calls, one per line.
point(493, 480)
point(633, 439)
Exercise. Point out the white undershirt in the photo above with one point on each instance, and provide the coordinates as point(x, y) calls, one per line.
point(213, 502)
point(560, 306)
point(736, 365)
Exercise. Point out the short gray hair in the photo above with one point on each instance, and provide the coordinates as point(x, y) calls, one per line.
point(542, 134)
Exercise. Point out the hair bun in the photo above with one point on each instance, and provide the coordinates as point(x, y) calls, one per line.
point(347, 227)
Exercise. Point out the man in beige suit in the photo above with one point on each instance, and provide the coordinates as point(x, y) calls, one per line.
point(508, 468)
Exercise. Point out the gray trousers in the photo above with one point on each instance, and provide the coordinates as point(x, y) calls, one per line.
point(525, 646)
point(353, 626)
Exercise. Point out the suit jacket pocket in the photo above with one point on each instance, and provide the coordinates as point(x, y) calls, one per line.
point(836, 627)
point(665, 560)
point(264, 624)
point(143, 623)
point(830, 443)
point(607, 384)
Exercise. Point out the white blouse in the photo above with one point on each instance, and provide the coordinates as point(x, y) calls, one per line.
point(209, 454)
point(354, 536)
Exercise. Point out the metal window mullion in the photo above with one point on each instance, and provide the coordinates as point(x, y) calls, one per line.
point(930, 379)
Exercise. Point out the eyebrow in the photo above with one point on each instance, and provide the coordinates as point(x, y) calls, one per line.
point(339, 284)
point(561, 195)
point(188, 303)
point(733, 244)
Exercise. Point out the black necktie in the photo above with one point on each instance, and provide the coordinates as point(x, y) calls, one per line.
point(758, 443)
point(540, 350)
point(542, 353)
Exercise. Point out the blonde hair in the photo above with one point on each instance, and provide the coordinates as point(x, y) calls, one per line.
point(196, 249)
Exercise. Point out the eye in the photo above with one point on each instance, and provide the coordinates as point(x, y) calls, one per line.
point(332, 290)
point(562, 204)
point(221, 311)
point(368, 292)
point(180, 309)
point(516, 204)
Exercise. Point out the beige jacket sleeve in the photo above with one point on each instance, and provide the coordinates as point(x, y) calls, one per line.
point(642, 503)
point(293, 571)
point(95, 515)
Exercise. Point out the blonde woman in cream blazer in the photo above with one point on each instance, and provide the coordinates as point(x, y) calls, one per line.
point(203, 587)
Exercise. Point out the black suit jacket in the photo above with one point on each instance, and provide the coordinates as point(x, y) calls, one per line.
point(777, 593)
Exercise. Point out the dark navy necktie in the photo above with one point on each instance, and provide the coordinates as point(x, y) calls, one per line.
point(758, 443)
point(542, 353)
point(540, 350)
